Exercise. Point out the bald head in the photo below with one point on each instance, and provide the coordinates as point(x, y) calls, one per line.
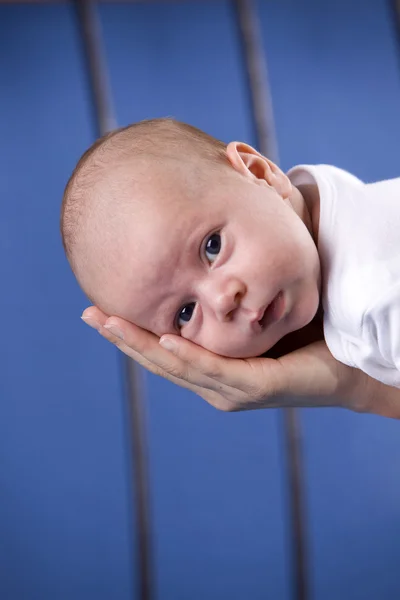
point(114, 182)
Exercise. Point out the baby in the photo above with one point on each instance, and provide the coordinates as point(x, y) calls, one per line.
point(173, 230)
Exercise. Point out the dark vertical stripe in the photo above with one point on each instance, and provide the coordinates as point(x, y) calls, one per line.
point(257, 78)
point(141, 479)
point(260, 98)
point(395, 6)
point(89, 26)
point(99, 87)
point(296, 488)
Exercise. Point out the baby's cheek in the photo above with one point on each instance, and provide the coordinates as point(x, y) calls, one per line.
point(210, 339)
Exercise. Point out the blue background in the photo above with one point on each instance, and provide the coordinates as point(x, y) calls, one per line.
point(219, 500)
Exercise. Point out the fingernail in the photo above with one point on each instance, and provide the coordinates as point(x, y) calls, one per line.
point(168, 344)
point(115, 331)
point(92, 323)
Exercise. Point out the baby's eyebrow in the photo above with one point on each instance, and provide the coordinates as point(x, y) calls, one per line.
point(169, 309)
point(168, 304)
point(167, 322)
point(189, 252)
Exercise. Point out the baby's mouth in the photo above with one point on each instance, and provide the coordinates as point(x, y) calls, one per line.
point(273, 311)
point(263, 320)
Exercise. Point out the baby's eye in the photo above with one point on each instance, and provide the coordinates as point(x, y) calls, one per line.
point(185, 314)
point(213, 246)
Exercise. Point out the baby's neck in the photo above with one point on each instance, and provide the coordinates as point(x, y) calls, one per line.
point(305, 202)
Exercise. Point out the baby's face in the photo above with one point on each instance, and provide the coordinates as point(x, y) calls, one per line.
point(233, 268)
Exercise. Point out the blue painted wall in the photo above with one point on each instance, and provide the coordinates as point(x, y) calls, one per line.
point(219, 503)
point(65, 512)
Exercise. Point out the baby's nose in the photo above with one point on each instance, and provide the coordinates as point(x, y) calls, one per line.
point(227, 298)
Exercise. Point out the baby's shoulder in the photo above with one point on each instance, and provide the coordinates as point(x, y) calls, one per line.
point(358, 293)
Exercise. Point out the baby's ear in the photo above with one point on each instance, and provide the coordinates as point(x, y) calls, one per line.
point(250, 163)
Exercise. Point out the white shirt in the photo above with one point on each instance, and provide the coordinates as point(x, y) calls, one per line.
point(359, 249)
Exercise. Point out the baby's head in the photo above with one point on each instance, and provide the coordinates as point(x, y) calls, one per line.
point(173, 230)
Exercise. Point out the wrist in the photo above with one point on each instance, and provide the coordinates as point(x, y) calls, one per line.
point(368, 395)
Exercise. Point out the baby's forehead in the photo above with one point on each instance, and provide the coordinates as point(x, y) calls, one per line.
point(155, 198)
point(151, 175)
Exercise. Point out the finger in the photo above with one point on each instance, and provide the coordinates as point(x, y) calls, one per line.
point(210, 364)
point(137, 341)
point(150, 355)
point(147, 344)
point(94, 314)
point(96, 319)
point(258, 376)
point(212, 397)
point(170, 362)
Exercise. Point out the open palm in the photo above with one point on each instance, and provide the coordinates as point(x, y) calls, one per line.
point(298, 371)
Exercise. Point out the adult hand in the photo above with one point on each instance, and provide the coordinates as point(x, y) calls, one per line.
point(298, 371)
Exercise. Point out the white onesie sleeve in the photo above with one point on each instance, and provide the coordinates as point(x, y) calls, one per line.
point(379, 354)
